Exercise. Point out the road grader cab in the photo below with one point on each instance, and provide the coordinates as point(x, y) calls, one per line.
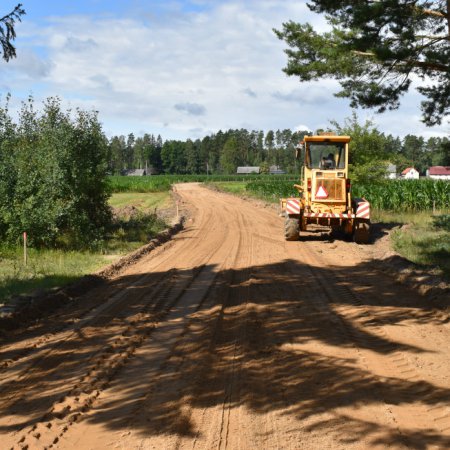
point(325, 191)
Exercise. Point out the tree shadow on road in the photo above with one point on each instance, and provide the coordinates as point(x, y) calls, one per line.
point(278, 338)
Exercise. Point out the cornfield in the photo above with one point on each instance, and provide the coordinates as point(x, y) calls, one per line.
point(392, 195)
point(409, 195)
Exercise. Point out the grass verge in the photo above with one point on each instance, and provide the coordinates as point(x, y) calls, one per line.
point(232, 187)
point(240, 188)
point(45, 269)
point(422, 237)
point(143, 201)
point(135, 223)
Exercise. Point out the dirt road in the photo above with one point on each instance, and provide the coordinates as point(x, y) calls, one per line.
point(229, 337)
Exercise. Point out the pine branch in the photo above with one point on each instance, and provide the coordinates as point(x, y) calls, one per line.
point(7, 32)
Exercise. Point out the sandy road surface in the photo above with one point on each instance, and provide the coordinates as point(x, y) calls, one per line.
point(229, 337)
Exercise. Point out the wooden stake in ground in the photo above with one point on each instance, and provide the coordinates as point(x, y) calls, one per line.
point(25, 256)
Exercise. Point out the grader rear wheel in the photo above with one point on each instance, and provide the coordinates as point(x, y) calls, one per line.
point(291, 229)
point(361, 232)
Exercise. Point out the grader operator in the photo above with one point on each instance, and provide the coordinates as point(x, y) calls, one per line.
point(325, 191)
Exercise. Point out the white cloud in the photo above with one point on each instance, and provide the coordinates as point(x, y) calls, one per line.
point(302, 127)
point(187, 72)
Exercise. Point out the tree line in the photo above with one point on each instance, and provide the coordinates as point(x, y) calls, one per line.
point(224, 151)
point(221, 152)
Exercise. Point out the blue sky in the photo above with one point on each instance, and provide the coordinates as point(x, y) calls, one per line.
point(37, 9)
point(182, 69)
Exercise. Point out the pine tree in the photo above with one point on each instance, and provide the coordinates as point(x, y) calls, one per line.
point(374, 49)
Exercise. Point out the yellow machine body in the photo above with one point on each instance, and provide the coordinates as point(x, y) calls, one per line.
point(325, 191)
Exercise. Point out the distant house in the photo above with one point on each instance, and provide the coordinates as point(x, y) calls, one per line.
point(391, 171)
point(134, 172)
point(410, 174)
point(439, 172)
point(246, 170)
point(149, 170)
point(276, 170)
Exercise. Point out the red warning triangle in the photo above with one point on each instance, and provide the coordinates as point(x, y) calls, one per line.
point(321, 192)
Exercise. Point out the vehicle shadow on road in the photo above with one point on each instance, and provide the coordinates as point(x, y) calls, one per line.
point(378, 231)
point(281, 339)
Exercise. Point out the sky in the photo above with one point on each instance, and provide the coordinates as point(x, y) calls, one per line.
point(181, 69)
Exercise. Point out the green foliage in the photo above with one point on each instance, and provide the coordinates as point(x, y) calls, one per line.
point(367, 144)
point(173, 157)
point(370, 151)
point(140, 227)
point(53, 182)
point(230, 157)
point(374, 48)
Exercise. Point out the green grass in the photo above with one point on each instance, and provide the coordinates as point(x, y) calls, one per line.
point(142, 201)
point(261, 189)
point(130, 232)
point(45, 269)
point(233, 187)
point(425, 240)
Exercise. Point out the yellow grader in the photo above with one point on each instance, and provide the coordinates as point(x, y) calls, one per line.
point(325, 191)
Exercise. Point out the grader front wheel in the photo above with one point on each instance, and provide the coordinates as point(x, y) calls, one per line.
point(291, 229)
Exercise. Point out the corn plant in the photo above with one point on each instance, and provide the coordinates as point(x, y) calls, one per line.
point(392, 195)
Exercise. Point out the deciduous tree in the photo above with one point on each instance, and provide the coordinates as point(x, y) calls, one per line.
point(53, 176)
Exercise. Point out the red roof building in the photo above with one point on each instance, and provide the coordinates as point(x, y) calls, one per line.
point(440, 172)
point(410, 172)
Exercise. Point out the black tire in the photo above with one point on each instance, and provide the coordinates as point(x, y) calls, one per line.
point(361, 233)
point(291, 229)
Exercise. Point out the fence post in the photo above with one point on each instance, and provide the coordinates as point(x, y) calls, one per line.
point(25, 256)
